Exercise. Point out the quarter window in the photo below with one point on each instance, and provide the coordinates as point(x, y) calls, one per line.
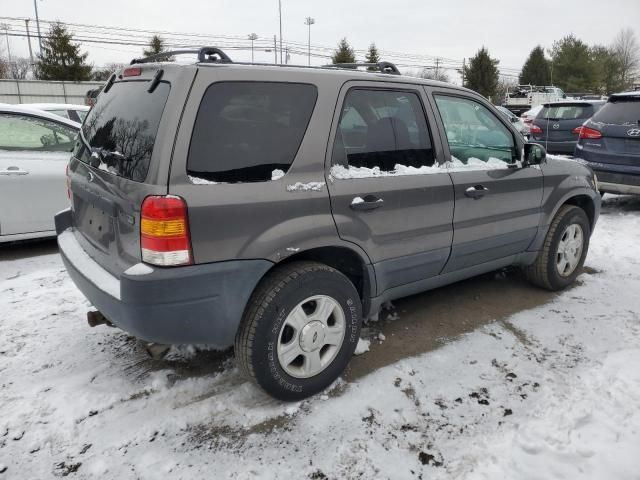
point(23, 132)
point(246, 130)
point(382, 129)
point(474, 133)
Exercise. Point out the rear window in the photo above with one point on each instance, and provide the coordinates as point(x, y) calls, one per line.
point(566, 112)
point(246, 130)
point(620, 112)
point(120, 130)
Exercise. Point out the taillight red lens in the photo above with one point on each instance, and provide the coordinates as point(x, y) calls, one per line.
point(164, 231)
point(586, 132)
point(132, 72)
point(535, 129)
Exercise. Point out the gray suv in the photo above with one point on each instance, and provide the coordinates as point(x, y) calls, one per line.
point(272, 207)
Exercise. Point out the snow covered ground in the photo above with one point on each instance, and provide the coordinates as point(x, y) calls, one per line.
point(552, 392)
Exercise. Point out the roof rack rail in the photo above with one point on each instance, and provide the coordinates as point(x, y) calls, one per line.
point(205, 54)
point(383, 67)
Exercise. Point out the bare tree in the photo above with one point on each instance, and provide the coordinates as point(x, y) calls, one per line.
point(433, 73)
point(19, 68)
point(627, 51)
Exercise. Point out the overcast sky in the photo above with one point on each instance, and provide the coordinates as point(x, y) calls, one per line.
point(450, 28)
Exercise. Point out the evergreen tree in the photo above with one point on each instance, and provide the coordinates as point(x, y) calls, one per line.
point(572, 66)
point(482, 74)
point(156, 45)
point(608, 70)
point(61, 58)
point(344, 53)
point(536, 70)
point(372, 56)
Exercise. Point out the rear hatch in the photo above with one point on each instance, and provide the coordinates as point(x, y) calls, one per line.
point(122, 156)
point(619, 123)
point(558, 121)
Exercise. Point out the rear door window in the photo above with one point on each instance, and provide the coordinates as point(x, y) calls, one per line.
point(246, 130)
point(382, 129)
point(27, 133)
point(120, 130)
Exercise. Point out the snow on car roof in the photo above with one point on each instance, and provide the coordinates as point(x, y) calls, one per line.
point(57, 106)
point(7, 108)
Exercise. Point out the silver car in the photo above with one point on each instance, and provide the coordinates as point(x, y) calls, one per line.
point(34, 151)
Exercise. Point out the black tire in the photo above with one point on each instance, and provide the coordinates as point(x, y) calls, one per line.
point(274, 298)
point(544, 272)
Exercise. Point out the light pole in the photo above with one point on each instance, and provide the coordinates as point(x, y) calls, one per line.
point(26, 22)
point(309, 21)
point(253, 37)
point(280, 16)
point(6, 29)
point(35, 4)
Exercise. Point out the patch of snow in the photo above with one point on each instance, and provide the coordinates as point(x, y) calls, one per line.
point(362, 347)
point(293, 249)
point(277, 174)
point(357, 200)
point(305, 187)
point(201, 181)
point(139, 269)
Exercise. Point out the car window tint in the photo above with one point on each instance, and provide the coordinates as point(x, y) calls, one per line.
point(24, 132)
point(474, 133)
point(381, 128)
point(566, 112)
point(246, 130)
point(620, 112)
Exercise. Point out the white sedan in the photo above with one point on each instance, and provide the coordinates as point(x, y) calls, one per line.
point(35, 148)
point(69, 111)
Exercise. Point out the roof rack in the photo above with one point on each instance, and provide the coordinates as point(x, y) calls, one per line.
point(383, 67)
point(205, 54)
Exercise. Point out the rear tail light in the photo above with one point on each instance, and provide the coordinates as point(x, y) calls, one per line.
point(586, 132)
point(535, 129)
point(164, 231)
point(132, 72)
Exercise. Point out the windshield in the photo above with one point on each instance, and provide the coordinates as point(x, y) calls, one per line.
point(620, 112)
point(566, 112)
point(120, 130)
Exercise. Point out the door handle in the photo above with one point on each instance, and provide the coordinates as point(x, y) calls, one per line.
point(476, 191)
point(13, 171)
point(369, 202)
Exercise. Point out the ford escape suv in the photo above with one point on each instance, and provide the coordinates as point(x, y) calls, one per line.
point(272, 208)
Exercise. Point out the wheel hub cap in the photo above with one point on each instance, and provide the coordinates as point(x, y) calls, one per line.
point(312, 336)
point(569, 250)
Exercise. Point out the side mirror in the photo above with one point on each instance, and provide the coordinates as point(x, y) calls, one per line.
point(534, 154)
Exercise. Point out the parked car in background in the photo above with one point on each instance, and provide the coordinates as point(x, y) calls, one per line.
point(516, 121)
point(208, 209)
point(69, 111)
point(34, 151)
point(557, 126)
point(610, 143)
point(528, 116)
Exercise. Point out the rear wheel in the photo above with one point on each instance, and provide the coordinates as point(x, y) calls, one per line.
point(564, 250)
point(299, 330)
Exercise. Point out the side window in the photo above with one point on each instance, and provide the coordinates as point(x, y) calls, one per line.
point(23, 132)
point(246, 130)
point(382, 129)
point(474, 133)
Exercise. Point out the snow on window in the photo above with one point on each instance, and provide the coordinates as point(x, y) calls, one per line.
point(201, 181)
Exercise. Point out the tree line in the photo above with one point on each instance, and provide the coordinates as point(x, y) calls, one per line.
point(62, 59)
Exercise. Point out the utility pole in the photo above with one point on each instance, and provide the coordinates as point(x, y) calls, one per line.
point(6, 29)
point(309, 21)
point(437, 68)
point(275, 49)
point(464, 66)
point(253, 37)
point(280, 15)
point(35, 4)
point(26, 22)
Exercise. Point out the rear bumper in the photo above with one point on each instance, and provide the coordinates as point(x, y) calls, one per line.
point(200, 304)
point(612, 182)
point(557, 147)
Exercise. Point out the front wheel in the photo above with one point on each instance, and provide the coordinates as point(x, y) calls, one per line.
point(299, 330)
point(564, 250)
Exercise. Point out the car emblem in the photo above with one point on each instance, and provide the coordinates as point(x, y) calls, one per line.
point(634, 132)
point(556, 126)
point(90, 176)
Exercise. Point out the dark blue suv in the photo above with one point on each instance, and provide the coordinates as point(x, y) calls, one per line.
point(610, 143)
